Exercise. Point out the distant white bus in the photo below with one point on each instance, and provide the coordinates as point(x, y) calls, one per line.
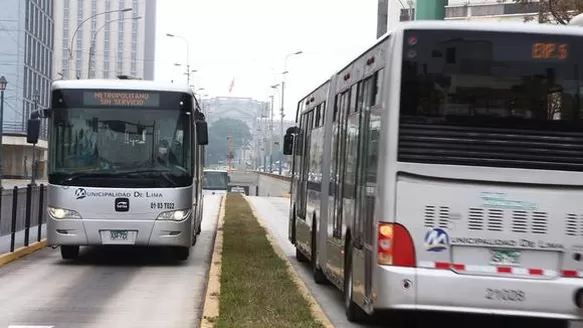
point(215, 182)
point(442, 170)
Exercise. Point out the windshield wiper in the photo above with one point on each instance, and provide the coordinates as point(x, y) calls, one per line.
point(148, 170)
point(88, 174)
point(163, 172)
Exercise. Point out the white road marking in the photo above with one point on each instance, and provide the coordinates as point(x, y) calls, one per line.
point(13, 326)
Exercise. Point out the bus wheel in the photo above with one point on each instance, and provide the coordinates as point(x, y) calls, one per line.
point(182, 253)
point(353, 312)
point(194, 238)
point(319, 276)
point(300, 256)
point(199, 228)
point(69, 252)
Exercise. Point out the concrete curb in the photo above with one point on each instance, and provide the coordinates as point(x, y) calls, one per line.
point(210, 309)
point(315, 307)
point(22, 252)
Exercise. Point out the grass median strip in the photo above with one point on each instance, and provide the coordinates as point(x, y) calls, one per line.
point(256, 288)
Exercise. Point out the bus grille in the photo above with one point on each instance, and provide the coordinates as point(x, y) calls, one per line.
point(493, 147)
point(497, 220)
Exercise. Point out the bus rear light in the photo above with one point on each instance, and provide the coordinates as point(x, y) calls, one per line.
point(395, 245)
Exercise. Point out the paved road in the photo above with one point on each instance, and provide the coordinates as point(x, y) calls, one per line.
point(19, 238)
point(109, 288)
point(274, 211)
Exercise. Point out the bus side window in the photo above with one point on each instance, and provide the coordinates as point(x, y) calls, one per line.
point(363, 201)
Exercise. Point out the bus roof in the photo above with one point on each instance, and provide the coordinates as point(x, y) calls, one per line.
point(121, 84)
point(500, 27)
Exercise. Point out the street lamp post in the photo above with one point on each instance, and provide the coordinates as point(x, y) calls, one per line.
point(83, 22)
point(282, 109)
point(33, 166)
point(92, 46)
point(170, 35)
point(272, 126)
point(3, 84)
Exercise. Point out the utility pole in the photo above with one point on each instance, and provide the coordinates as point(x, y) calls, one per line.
point(3, 84)
point(430, 9)
point(230, 152)
point(270, 130)
point(382, 17)
point(265, 117)
point(33, 165)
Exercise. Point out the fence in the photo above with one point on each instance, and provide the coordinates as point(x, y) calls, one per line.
point(21, 209)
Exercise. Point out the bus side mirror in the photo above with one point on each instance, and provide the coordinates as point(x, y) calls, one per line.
point(202, 134)
point(32, 130)
point(288, 144)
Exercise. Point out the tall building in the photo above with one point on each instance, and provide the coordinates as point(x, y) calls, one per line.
point(26, 53)
point(103, 38)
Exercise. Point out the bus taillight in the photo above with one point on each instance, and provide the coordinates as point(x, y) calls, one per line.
point(395, 245)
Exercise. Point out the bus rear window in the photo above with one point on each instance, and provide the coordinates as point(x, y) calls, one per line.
point(531, 77)
point(492, 99)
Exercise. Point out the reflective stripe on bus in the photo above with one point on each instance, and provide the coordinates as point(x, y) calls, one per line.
point(500, 269)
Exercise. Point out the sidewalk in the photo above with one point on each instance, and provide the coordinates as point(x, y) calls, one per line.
point(19, 240)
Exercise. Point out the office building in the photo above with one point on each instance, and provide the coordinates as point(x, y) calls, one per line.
point(26, 53)
point(103, 38)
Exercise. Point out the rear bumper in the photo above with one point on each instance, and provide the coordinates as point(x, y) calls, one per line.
point(86, 232)
point(447, 291)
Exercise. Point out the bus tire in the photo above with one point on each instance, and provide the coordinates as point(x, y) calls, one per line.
point(69, 252)
point(194, 238)
point(300, 256)
point(182, 253)
point(319, 276)
point(293, 226)
point(353, 312)
point(200, 213)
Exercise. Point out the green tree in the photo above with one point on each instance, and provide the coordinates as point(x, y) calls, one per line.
point(219, 131)
point(554, 11)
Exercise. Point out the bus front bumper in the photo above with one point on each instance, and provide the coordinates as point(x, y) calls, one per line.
point(447, 291)
point(95, 232)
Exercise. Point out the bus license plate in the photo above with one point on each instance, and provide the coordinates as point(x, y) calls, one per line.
point(118, 237)
point(505, 257)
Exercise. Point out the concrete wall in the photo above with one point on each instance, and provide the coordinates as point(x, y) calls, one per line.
point(273, 185)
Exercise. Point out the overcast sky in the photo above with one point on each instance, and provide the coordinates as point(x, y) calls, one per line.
point(248, 40)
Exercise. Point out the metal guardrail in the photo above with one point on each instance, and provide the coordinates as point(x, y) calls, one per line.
point(21, 208)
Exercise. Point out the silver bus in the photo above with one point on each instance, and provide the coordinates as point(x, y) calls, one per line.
point(215, 182)
point(442, 170)
point(125, 165)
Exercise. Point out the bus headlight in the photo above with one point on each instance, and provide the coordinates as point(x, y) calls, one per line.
point(177, 215)
point(62, 213)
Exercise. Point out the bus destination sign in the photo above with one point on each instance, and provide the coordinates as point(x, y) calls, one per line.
point(552, 51)
point(112, 98)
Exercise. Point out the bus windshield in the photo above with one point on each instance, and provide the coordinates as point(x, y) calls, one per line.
point(215, 180)
point(491, 98)
point(109, 147)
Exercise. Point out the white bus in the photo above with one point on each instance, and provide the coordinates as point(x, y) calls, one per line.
point(215, 182)
point(442, 170)
point(125, 165)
